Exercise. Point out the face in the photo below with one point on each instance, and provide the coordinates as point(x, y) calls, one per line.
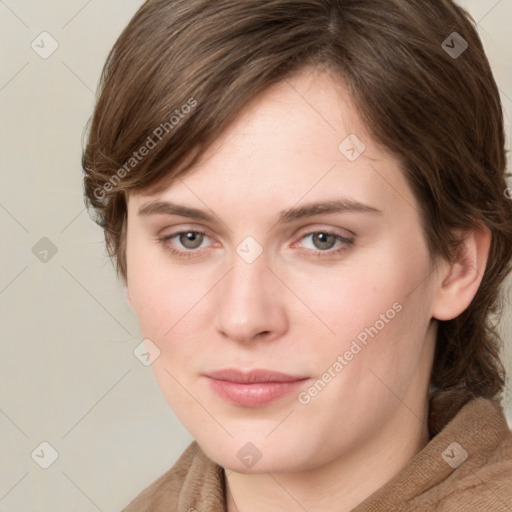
point(232, 268)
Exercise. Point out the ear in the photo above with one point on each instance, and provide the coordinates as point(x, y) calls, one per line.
point(459, 281)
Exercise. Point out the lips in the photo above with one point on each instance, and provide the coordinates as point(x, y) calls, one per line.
point(254, 388)
point(252, 376)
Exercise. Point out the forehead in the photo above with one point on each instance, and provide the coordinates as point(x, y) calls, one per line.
point(300, 140)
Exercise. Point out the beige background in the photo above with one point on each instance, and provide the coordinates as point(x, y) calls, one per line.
point(68, 373)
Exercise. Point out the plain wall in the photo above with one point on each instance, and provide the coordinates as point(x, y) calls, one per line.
point(68, 375)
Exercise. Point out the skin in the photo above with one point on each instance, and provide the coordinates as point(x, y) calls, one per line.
point(292, 312)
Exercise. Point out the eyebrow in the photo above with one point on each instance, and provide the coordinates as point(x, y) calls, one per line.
point(285, 216)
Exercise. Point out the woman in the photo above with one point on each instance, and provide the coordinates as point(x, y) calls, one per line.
point(306, 202)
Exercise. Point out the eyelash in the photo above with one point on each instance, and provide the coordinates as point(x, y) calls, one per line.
point(347, 242)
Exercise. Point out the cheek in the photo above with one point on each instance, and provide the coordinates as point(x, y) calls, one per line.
point(335, 303)
point(355, 296)
point(147, 301)
point(172, 305)
point(156, 290)
point(376, 308)
point(166, 303)
point(161, 304)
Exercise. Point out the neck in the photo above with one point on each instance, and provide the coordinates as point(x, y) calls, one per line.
point(341, 484)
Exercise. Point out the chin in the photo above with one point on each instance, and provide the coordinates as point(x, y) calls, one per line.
point(254, 457)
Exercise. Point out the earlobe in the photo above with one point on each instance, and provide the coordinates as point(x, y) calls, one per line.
point(458, 282)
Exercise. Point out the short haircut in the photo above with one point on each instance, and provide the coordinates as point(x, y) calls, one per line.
point(182, 71)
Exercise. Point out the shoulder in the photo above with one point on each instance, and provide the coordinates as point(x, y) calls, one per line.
point(465, 467)
point(167, 491)
point(482, 479)
point(486, 485)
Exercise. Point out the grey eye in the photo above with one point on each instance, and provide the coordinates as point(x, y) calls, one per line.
point(191, 239)
point(324, 240)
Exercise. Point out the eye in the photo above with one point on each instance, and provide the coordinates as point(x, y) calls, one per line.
point(186, 243)
point(322, 240)
point(190, 240)
point(324, 243)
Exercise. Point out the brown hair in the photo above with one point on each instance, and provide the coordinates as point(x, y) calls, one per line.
point(182, 70)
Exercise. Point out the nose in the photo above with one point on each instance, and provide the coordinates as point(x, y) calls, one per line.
point(251, 303)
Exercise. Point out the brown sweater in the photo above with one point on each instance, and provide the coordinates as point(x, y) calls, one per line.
point(465, 467)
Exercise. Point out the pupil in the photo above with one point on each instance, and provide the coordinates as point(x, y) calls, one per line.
point(192, 239)
point(322, 239)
